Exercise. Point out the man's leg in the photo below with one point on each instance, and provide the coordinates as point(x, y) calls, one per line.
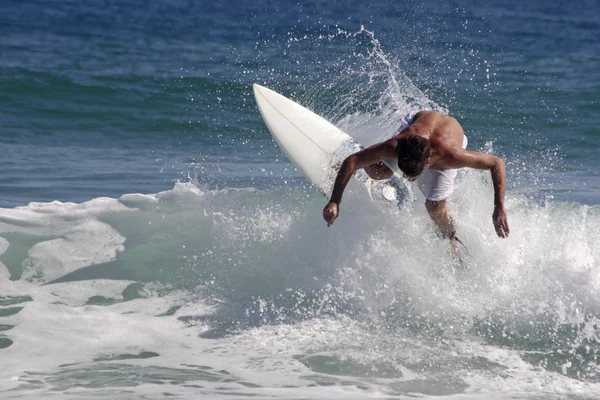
point(439, 214)
point(379, 171)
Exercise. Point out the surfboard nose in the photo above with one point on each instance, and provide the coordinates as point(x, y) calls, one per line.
point(256, 88)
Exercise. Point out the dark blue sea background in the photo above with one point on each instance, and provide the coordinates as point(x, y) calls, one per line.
point(155, 241)
point(107, 98)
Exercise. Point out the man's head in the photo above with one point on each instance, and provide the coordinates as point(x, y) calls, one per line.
point(413, 155)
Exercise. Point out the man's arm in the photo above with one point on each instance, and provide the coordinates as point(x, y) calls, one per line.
point(364, 158)
point(474, 159)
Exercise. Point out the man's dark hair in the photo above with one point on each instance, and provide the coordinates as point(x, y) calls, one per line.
point(412, 152)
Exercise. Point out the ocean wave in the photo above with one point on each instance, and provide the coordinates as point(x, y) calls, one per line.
point(232, 263)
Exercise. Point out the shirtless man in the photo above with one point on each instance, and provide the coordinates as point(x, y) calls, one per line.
point(429, 150)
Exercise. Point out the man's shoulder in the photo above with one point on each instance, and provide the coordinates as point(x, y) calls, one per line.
point(418, 115)
point(427, 112)
point(421, 114)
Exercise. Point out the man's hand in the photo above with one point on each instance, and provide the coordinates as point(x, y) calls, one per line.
point(330, 212)
point(500, 222)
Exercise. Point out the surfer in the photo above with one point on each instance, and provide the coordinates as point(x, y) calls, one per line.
point(429, 150)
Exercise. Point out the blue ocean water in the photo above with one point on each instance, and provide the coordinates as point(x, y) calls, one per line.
point(127, 97)
point(155, 241)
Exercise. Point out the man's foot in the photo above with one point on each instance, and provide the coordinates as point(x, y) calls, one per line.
point(458, 250)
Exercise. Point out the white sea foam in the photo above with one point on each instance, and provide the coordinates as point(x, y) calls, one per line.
point(371, 305)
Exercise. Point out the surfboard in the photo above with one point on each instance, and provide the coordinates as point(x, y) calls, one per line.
point(317, 147)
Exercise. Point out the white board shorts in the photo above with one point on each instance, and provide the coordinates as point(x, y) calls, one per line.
point(435, 184)
point(438, 184)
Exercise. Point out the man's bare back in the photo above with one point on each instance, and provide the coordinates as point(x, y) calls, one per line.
point(444, 133)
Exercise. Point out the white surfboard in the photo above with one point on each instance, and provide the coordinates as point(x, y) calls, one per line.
point(317, 147)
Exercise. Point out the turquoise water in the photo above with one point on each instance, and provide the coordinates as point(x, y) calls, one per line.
point(154, 240)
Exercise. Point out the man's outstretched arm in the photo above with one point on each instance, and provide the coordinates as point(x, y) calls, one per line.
point(364, 158)
point(474, 159)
